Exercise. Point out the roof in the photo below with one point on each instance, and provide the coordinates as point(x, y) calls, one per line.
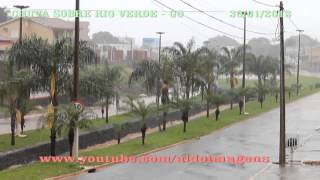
point(55, 23)
point(58, 23)
point(2, 38)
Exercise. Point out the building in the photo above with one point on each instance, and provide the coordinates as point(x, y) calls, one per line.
point(115, 52)
point(310, 58)
point(4, 43)
point(46, 28)
point(151, 45)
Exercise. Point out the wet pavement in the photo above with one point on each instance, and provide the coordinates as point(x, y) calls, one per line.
point(257, 136)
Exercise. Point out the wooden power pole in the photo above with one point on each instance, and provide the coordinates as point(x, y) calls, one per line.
point(282, 150)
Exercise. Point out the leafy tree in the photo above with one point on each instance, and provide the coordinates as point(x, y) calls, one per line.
point(104, 37)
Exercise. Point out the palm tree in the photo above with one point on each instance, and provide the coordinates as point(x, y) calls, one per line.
point(101, 82)
point(150, 72)
point(165, 101)
point(217, 99)
point(185, 61)
point(141, 109)
point(51, 64)
point(69, 118)
point(231, 61)
point(207, 65)
point(12, 87)
point(184, 105)
point(118, 128)
point(262, 90)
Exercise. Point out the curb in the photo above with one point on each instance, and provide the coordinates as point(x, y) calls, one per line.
point(106, 165)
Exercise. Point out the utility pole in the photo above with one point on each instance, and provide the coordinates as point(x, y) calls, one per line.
point(298, 66)
point(282, 150)
point(21, 7)
point(76, 77)
point(158, 83)
point(131, 51)
point(244, 60)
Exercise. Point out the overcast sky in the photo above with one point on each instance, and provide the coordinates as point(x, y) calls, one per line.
point(304, 14)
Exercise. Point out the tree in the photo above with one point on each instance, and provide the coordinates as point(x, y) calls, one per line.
point(217, 99)
point(139, 108)
point(185, 59)
point(104, 37)
point(165, 101)
point(184, 105)
point(207, 65)
point(51, 64)
point(101, 82)
point(118, 128)
point(69, 118)
point(12, 87)
point(261, 90)
point(149, 72)
point(231, 61)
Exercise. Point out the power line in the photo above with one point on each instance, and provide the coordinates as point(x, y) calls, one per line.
point(264, 4)
point(222, 21)
point(190, 28)
point(200, 23)
point(294, 24)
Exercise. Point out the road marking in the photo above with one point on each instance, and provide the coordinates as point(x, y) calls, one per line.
point(260, 172)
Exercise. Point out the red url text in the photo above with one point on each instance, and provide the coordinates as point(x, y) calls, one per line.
point(240, 159)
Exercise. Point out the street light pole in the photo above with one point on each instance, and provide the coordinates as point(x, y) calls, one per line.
point(298, 66)
point(76, 78)
point(244, 61)
point(21, 7)
point(158, 83)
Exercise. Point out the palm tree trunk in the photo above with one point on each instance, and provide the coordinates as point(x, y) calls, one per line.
point(13, 123)
point(53, 141)
point(208, 94)
point(143, 132)
point(202, 93)
point(107, 109)
point(232, 85)
point(185, 117)
point(188, 88)
point(164, 121)
point(119, 138)
point(53, 135)
point(217, 113)
point(22, 122)
point(71, 139)
point(184, 126)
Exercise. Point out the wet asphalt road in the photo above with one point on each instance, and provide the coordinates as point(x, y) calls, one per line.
point(257, 136)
